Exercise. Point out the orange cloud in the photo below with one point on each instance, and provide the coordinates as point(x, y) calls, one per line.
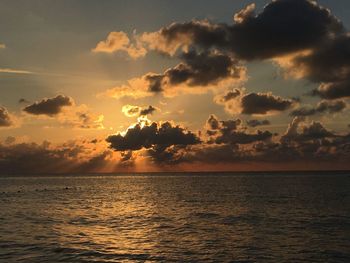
point(119, 41)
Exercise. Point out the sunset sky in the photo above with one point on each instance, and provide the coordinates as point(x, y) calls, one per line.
point(109, 86)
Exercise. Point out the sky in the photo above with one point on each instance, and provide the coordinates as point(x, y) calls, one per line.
point(228, 85)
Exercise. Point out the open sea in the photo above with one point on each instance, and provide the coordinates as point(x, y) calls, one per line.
point(183, 217)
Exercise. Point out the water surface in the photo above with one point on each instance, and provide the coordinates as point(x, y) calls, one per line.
point(176, 218)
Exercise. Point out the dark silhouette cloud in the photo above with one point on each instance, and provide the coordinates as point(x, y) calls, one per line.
point(328, 64)
point(256, 123)
point(232, 132)
point(34, 158)
point(322, 107)
point(315, 131)
point(301, 27)
point(203, 69)
point(262, 103)
point(151, 136)
point(5, 118)
point(147, 111)
point(155, 82)
point(132, 111)
point(236, 102)
point(231, 95)
point(49, 107)
point(282, 27)
point(333, 90)
point(307, 143)
point(196, 69)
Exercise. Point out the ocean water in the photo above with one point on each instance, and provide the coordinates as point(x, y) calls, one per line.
point(176, 218)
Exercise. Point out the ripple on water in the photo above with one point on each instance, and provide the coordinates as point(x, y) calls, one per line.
point(175, 219)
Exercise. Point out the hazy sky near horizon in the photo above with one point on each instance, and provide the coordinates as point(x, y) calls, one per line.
point(241, 81)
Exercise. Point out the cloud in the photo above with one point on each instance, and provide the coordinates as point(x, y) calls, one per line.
point(314, 131)
point(333, 90)
point(86, 120)
point(202, 69)
point(284, 26)
point(243, 15)
point(302, 144)
point(263, 103)
point(135, 88)
point(132, 111)
point(6, 120)
point(326, 63)
point(80, 117)
point(15, 71)
point(232, 132)
point(304, 38)
point(322, 107)
point(152, 136)
point(197, 73)
point(69, 157)
point(169, 145)
point(49, 106)
point(119, 41)
point(237, 102)
point(66, 112)
point(256, 123)
point(148, 111)
point(210, 52)
point(24, 101)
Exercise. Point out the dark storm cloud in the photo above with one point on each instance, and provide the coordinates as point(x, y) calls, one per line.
point(256, 123)
point(262, 103)
point(50, 107)
point(154, 135)
point(5, 118)
point(283, 26)
point(147, 111)
point(322, 107)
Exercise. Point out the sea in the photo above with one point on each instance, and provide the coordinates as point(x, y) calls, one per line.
point(176, 217)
